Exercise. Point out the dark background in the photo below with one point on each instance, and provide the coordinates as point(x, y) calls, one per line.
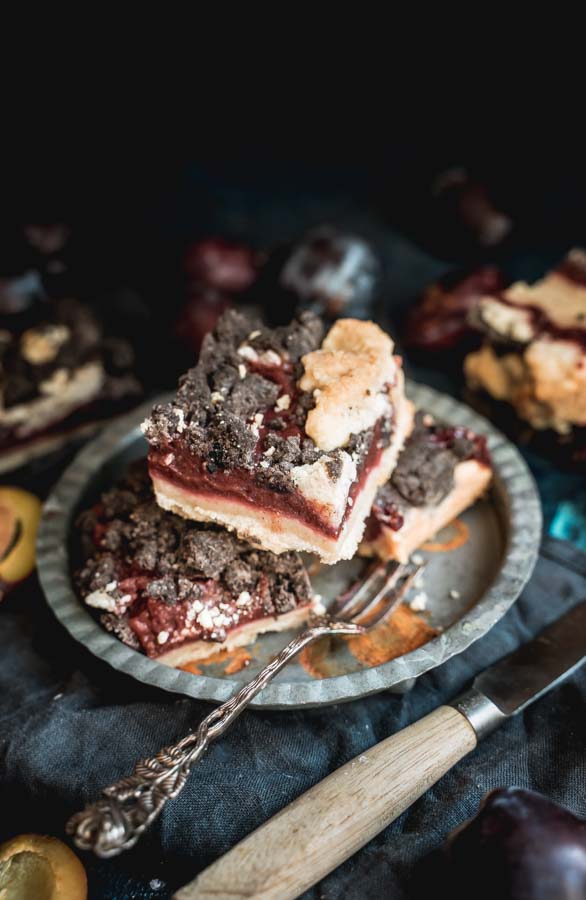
point(133, 208)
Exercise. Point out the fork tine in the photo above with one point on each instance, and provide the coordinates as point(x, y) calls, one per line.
point(343, 600)
point(369, 599)
point(349, 604)
point(389, 604)
point(385, 590)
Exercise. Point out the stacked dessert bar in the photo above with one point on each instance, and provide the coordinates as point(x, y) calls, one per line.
point(279, 441)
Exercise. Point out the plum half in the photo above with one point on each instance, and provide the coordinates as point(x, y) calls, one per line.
point(35, 867)
point(20, 513)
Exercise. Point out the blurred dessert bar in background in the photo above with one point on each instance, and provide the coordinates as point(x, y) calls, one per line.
point(328, 271)
point(534, 351)
point(332, 273)
point(59, 377)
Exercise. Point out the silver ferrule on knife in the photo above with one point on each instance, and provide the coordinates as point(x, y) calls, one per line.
point(514, 682)
point(482, 713)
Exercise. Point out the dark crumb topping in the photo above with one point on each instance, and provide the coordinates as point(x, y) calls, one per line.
point(145, 560)
point(119, 626)
point(241, 406)
point(64, 336)
point(424, 474)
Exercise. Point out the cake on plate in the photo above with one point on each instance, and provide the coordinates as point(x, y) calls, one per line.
point(283, 435)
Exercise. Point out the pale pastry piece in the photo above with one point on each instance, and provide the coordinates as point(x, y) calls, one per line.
point(350, 376)
point(546, 383)
point(560, 296)
point(558, 372)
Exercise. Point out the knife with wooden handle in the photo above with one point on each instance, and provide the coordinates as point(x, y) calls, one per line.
point(317, 832)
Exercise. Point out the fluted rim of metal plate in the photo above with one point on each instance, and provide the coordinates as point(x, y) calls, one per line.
point(516, 494)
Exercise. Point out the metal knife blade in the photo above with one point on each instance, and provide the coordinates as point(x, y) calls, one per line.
point(517, 680)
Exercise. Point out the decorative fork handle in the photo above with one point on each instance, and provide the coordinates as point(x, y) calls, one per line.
point(126, 809)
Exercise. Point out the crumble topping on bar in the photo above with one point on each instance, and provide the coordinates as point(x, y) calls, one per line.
point(161, 581)
point(287, 391)
point(242, 399)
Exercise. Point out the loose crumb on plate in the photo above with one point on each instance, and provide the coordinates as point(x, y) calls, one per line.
point(419, 601)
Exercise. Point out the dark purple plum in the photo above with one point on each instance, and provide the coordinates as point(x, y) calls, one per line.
point(519, 846)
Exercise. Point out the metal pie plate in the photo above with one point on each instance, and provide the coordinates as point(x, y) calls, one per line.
point(468, 589)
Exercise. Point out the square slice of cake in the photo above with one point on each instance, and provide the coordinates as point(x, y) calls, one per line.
point(178, 590)
point(534, 353)
point(283, 435)
point(441, 472)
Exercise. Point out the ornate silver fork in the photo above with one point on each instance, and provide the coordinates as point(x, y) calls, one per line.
point(126, 809)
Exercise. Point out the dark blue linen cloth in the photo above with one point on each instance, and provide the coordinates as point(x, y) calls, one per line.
point(69, 725)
